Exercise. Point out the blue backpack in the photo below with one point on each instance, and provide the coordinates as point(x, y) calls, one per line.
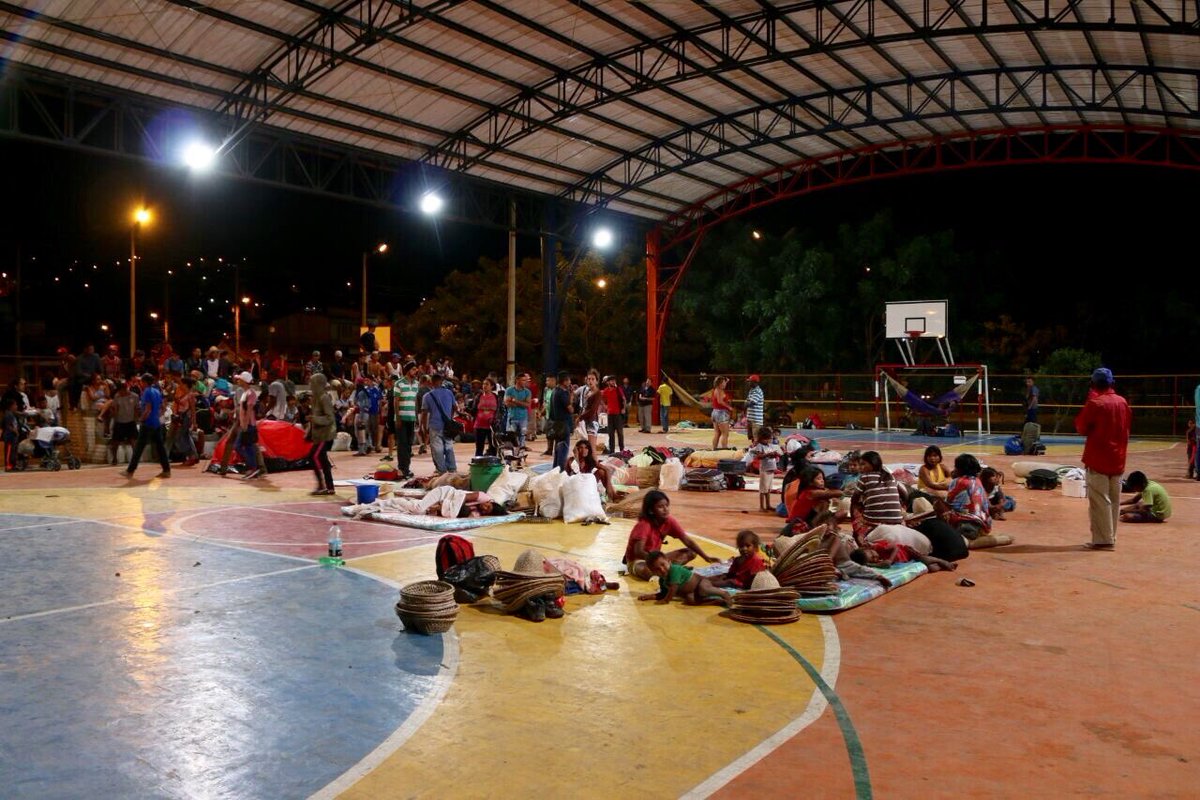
point(1014, 446)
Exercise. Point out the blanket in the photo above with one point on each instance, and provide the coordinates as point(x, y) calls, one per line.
point(427, 523)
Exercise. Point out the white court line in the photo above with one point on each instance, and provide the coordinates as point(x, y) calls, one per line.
point(830, 667)
point(176, 590)
point(415, 720)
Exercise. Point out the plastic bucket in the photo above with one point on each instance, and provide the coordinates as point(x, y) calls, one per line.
point(484, 475)
point(367, 492)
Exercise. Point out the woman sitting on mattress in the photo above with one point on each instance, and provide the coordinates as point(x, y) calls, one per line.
point(444, 501)
point(877, 498)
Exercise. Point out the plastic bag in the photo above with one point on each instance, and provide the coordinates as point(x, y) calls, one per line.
point(504, 489)
point(546, 495)
point(581, 498)
point(471, 579)
point(670, 477)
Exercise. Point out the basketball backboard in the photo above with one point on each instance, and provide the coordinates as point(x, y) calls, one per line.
point(927, 316)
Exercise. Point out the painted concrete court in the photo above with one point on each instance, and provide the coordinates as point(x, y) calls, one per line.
point(176, 639)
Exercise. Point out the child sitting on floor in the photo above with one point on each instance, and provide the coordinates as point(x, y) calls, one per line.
point(812, 498)
point(998, 501)
point(748, 563)
point(676, 579)
point(1150, 504)
point(932, 478)
point(968, 503)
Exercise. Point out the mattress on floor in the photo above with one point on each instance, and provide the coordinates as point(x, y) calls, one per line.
point(429, 523)
point(851, 593)
point(857, 591)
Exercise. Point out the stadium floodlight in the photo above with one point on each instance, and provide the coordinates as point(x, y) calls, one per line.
point(199, 156)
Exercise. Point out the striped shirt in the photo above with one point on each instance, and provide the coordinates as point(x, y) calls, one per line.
point(404, 394)
point(754, 405)
point(880, 499)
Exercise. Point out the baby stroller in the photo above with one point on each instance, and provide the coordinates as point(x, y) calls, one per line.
point(43, 443)
point(508, 448)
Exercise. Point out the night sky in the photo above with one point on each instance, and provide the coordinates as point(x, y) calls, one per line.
point(1094, 247)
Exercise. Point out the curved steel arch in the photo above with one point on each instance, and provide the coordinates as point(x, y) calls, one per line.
point(1064, 144)
point(748, 41)
point(1010, 86)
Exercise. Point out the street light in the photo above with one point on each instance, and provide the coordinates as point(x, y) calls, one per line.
point(602, 238)
point(381, 249)
point(141, 217)
point(601, 283)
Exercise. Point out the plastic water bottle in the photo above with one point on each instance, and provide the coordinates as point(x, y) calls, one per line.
point(335, 541)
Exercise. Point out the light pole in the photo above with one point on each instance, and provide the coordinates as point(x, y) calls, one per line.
point(140, 217)
point(381, 249)
point(237, 327)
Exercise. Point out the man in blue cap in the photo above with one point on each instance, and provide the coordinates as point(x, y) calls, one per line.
point(1104, 420)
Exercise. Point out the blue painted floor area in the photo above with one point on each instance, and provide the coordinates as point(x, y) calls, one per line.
point(266, 684)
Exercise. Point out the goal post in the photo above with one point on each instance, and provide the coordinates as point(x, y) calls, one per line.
point(932, 382)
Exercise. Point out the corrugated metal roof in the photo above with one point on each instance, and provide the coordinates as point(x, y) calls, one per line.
point(643, 107)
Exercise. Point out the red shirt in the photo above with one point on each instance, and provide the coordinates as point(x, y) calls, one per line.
point(612, 400)
point(743, 569)
point(802, 506)
point(651, 537)
point(1105, 420)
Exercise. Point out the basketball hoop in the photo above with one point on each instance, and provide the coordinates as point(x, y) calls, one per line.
point(915, 334)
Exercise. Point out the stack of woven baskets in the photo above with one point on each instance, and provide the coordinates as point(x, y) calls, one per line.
point(803, 566)
point(766, 603)
point(427, 607)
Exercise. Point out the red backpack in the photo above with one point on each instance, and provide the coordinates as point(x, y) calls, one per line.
point(452, 550)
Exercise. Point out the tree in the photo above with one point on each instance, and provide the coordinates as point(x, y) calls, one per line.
point(1061, 384)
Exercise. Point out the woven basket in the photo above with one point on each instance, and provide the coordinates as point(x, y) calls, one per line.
point(426, 589)
point(426, 626)
point(647, 477)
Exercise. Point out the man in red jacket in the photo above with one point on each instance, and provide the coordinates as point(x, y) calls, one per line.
point(1104, 420)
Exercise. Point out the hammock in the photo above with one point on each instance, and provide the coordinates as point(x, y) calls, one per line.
point(941, 406)
point(681, 393)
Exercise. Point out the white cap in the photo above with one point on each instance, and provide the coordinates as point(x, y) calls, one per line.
point(245, 377)
point(337, 353)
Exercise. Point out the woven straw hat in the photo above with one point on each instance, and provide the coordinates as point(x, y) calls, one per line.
point(530, 563)
point(782, 544)
point(922, 506)
point(764, 580)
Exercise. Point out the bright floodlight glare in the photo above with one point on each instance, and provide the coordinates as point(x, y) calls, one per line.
point(756, 234)
point(199, 156)
point(141, 216)
point(383, 248)
point(431, 203)
point(602, 238)
point(601, 283)
point(246, 300)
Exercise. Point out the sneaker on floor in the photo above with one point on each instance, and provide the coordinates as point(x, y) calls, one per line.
point(1099, 546)
point(252, 474)
point(165, 474)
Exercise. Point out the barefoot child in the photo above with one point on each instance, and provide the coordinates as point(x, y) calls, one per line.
point(885, 554)
point(998, 501)
point(768, 454)
point(676, 579)
point(748, 563)
point(1150, 504)
point(811, 498)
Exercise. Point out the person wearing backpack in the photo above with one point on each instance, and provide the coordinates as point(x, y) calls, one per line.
point(1104, 420)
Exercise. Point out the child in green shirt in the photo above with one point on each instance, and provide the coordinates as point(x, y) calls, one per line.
point(1150, 504)
point(676, 579)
